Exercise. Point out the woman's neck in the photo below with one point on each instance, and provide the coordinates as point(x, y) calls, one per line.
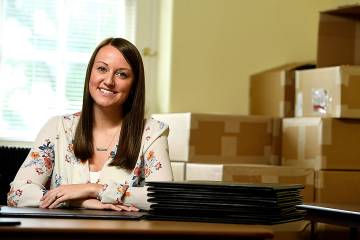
point(106, 118)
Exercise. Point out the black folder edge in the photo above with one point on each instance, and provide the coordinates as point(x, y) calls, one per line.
point(244, 220)
point(27, 212)
point(226, 185)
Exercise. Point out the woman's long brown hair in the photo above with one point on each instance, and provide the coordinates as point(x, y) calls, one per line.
point(133, 110)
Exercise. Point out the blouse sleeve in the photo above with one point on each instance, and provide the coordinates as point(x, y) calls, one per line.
point(156, 167)
point(32, 178)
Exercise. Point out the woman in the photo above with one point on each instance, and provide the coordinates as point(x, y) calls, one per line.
point(99, 158)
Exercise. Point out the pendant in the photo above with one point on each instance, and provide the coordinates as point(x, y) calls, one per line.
point(101, 149)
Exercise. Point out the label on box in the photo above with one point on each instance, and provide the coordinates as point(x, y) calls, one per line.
point(299, 105)
point(320, 101)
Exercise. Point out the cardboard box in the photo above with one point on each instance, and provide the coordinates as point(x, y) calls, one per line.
point(212, 138)
point(247, 173)
point(321, 143)
point(178, 170)
point(339, 37)
point(337, 187)
point(328, 92)
point(272, 92)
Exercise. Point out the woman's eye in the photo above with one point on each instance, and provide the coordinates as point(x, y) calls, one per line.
point(121, 74)
point(101, 69)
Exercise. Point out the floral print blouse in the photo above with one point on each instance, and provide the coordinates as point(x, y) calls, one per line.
point(51, 163)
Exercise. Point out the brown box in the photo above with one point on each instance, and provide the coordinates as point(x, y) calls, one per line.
point(339, 37)
point(212, 138)
point(272, 92)
point(252, 173)
point(321, 143)
point(337, 187)
point(328, 92)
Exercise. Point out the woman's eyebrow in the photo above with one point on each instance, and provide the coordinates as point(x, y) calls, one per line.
point(102, 62)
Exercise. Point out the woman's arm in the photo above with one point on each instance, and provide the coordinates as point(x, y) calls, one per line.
point(156, 167)
point(32, 178)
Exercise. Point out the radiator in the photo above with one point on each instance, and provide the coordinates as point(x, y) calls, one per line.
point(11, 159)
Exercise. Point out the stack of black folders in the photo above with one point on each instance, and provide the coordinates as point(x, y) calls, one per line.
point(225, 202)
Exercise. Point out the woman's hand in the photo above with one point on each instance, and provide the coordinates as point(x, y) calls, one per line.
point(68, 192)
point(96, 204)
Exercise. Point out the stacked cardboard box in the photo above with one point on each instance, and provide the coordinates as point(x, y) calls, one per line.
point(321, 125)
point(325, 134)
point(272, 92)
point(328, 92)
point(326, 131)
point(214, 138)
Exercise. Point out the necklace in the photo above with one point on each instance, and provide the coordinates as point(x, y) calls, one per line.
point(104, 149)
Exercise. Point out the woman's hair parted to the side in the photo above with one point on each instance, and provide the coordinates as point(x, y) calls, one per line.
point(133, 110)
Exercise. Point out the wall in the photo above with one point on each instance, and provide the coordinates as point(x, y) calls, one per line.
point(217, 44)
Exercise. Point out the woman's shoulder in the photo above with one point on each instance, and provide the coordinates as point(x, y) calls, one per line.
point(71, 117)
point(153, 129)
point(154, 125)
point(70, 121)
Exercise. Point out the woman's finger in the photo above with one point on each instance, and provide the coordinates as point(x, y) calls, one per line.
point(46, 195)
point(134, 209)
point(126, 208)
point(58, 200)
point(49, 200)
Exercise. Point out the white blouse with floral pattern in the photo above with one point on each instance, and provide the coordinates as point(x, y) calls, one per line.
point(51, 163)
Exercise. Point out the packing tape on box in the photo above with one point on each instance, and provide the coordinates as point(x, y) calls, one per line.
point(337, 110)
point(204, 172)
point(282, 106)
point(301, 143)
point(349, 75)
point(299, 104)
point(326, 131)
point(269, 179)
point(232, 126)
point(319, 180)
point(282, 79)
point(229, 146)
point(228, 160)
point(338, 78)
point(297, 82)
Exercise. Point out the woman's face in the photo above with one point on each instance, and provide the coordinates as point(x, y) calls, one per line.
point(111, 78)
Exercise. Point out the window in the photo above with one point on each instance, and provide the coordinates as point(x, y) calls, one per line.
point(44, 50)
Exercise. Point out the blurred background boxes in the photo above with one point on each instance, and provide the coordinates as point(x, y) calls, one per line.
point(321, 143)
point(339, 37)
point(337, 186)
point(253, 173)
point(213, 138)
point(328, 92)
point(272, 92)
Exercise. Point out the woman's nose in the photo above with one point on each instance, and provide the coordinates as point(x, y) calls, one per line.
point(109, 80)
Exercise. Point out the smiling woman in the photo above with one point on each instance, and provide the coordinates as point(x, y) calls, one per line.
point(66, 166)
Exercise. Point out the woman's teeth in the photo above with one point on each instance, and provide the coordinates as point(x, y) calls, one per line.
point(107, 92)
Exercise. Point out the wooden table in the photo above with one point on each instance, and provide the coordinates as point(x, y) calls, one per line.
point(53, 228)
